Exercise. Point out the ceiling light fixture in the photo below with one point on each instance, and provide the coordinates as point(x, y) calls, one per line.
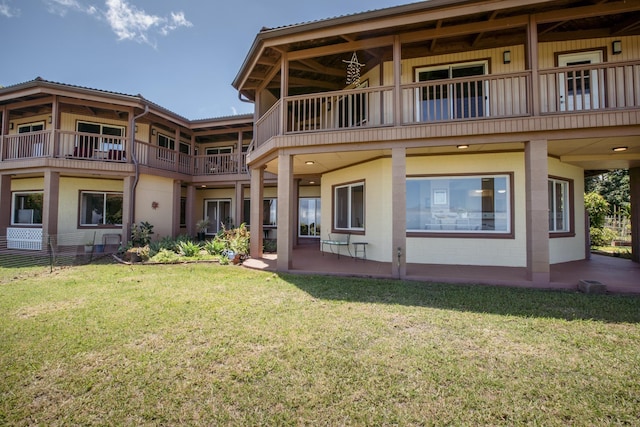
point(463, 147)
point(309, 162)
point(618, 149)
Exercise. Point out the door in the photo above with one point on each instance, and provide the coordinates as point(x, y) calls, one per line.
point(443, 100)
point(219, 214)
point(579, 88)
point(309, 217)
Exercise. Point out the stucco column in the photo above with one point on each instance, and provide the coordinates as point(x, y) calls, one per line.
point(190, 210)
point(50, 204)
point(398, 213)
point(634, 191)
point(285, 217)
point(239, 199)
point(256, 216)
point(5, 203)
point(175, 211)
point(127, 205)
point(537, 211)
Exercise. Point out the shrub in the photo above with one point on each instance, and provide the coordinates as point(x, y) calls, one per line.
point(215, 246)
point(601, 236)
point(597, 207)
point(141, 234)
point(188, 249)
point(270, 245)
point(165, 256)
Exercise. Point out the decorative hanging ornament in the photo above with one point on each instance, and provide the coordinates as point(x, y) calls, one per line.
point(353, 69)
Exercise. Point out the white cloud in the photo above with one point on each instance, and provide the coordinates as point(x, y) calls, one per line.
point(125, 20)
point(235, 111)
point(8, 11)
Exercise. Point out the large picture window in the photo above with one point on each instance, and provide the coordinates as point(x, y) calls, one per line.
point(100, 208)
point(558, 205)
point(27, 208)
point(348, 207)
point(108, 138)
point(459, 204)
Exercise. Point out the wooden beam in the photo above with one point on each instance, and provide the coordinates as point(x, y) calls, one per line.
point(587, 12)
point(479, 35)
point(319, 68)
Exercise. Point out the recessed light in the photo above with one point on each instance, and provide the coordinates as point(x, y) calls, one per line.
point(203, 186)
point(309, 162)
point(617, 149)
point(312, 182)
point(462, 147)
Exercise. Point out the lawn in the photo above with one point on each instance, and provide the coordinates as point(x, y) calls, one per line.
point(203, 344)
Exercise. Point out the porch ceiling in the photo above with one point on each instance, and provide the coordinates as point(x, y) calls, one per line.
point(316, 50)
point(589, 154)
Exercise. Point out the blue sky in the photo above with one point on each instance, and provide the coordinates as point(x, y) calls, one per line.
point(181, 54)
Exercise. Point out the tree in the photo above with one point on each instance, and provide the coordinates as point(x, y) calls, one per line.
point(597, 208)
point(613, 186)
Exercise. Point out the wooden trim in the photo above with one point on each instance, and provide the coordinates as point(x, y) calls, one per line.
point(556, 55)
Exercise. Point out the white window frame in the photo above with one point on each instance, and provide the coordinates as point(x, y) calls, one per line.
point(553, 207)
point(214, 226)
point(103, 219)
point(14, 196)
point(212, 151)
point(350, 187)
point(106, 142)
point(31, 126)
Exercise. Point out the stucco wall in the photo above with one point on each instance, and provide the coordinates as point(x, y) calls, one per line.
point(160, 190)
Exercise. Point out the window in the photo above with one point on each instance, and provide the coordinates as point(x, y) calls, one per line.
point(27, 208)
point(558, 205)
point(269, 212)
point(100, 208)
point(459, 204)
point(31, 127)
point(218, 150)
point(170, 144)
point(111, 138)
point(348, 203)
point(442, 100)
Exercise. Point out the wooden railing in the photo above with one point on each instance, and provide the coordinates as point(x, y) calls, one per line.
point(590, 87)
point(27, 145)
point(220, 164)
point(268, 125)
point(470, 98)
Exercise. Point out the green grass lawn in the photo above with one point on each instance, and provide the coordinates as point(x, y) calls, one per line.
point(203, 344)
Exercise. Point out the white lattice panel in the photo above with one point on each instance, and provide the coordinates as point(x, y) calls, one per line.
point(24, 238)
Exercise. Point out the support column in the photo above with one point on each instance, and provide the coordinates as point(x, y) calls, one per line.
point(634, 191)
point(177, 195)
point(127, 208)
point(190, 210)
point(50, 204)
point(55, 126)
point(285, 217)
point(537, 211)
point(397, 75)
point(5, 203)
point(532, 63)
point(399, 215)
point(239, 199)
point(257, 216)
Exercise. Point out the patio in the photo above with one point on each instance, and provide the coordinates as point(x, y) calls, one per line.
point(618, 274)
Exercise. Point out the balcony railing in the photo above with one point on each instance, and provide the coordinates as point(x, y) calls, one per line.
point(605, 86)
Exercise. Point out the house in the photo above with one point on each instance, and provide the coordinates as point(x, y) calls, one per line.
point(80, 164)
point(451, 132)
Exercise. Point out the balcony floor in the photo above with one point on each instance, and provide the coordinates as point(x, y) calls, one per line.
point(619, 275)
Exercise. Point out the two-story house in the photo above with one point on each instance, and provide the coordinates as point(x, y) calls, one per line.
point(80, 164)
point(447, 131)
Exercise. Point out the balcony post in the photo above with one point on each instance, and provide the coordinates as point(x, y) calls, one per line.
point(50, 203)
point(177, 195)
point(4, 126)
point(532, 63)
point(397, 76)
point(190, 210)
point(5, 203)
point(537, 211)
point(55, 127)
point(284, 91)
point(239, 198)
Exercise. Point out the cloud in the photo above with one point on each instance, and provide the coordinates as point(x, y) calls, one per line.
point(235, 111)
point(125, 20)
point(8, 11)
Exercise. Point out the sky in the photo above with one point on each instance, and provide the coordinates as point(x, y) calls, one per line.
point(180, 54)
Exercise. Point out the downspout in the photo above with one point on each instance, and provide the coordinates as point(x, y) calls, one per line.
point(136, 178)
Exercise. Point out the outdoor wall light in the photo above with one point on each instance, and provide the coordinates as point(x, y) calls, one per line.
point(618, 149)
point(136, 129)
point(11, 125)
point(50, 119)
point(616, 47)
point(506, 57)
point(153, 131)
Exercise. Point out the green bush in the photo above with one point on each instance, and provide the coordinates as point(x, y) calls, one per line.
point(601, 236)
point(598, 209)
point(141, 234)
point(215, 246)
point(165, 256)
point(188, 248)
